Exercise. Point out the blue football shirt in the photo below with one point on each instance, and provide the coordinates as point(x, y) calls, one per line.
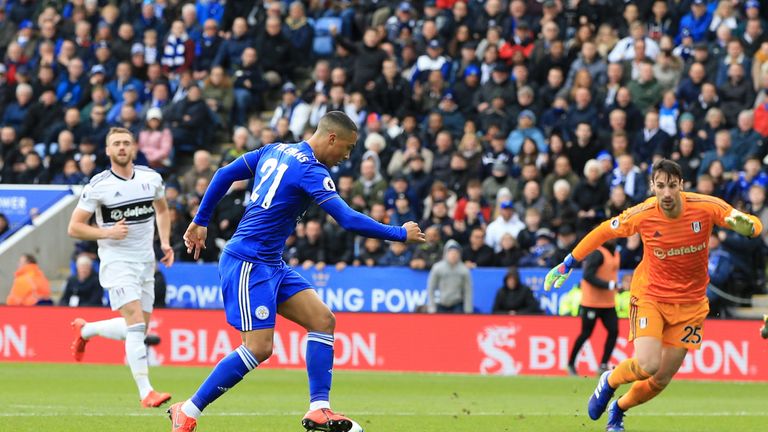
point(287, 178)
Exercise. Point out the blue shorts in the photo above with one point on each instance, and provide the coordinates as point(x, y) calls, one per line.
point(252, 291)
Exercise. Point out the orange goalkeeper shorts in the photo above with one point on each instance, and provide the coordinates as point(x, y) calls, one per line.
point(675, 324)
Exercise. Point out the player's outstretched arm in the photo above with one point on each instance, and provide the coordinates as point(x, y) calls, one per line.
point(240, 169)
point(361, 224)
point(607, 230)
point(744, 224)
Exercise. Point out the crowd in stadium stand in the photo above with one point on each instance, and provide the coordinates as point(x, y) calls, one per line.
point(511, 127)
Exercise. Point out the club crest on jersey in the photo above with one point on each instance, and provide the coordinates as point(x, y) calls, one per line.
point(262, 312)
point(696, 226)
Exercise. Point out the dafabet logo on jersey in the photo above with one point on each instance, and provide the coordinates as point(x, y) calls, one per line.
point(685, 250)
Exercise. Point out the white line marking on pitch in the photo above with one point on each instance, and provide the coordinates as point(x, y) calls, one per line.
point(400, 414)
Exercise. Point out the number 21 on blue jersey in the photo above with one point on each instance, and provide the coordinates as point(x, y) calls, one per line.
point(268, 182)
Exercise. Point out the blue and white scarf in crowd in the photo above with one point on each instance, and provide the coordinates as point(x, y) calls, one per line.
point(174, 51)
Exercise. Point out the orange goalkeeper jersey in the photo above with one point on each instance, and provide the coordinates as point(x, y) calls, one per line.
point(675, 251)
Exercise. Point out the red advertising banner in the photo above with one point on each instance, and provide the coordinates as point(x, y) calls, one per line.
point(477, 344)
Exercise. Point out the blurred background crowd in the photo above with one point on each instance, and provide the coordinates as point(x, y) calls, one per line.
point(509, 128)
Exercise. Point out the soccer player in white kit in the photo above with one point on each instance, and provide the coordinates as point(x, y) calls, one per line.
point(127, 200)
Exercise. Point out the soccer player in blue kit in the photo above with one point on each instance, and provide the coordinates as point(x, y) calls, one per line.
point(256, 284)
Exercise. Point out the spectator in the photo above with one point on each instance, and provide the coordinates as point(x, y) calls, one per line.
point(320, 84)
point(369, 188)
point(156, 141)
point(736, 93)
point(514, 298)
point(562, 171)
point(498, 179)
point(190, 120)
point(429, 253)
point(293, 109)
point(477, 253)
point(69, 175)
point(275, 50)
point(526, 238)
point(645, 90)
point(30, 286)
point(311, 247)
point(531, 198)
point(745, 141)
point(398, 255)
point(526, 128)
point(723, 152)
point(83, 288)
point(201, 167)
point(372, 251)
point(506, 223)
point(16, 111)
point(449, 287)
point(219, 95)
point(368, 58)
point(651, 140)
point(631, 178)
point(390, 91)
point(590, 196)
point(696, 23)
point(584, 146)
point(402, 212)
point(541, 254)
point(43, 113)
point(179, 50)
point(206, 49)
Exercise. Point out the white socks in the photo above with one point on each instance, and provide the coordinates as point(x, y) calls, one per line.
point(114, 328)
point(136, 353)
point(319, 404)
point(190, 410)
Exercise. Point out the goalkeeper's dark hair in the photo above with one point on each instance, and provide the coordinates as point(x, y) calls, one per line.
point(668, 167)
point(338, 122)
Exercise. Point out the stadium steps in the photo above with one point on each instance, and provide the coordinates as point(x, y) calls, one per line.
point(760, 300)
point(750, 312)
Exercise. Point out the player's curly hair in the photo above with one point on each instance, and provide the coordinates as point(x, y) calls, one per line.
point(668, 167)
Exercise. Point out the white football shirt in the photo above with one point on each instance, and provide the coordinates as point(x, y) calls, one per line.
point(113, 198)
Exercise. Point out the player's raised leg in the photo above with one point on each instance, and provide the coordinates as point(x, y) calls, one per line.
point(645, 363)
point(306, 309)
point(643, 391)
point(114, 328)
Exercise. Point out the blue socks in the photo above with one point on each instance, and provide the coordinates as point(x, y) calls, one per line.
point(319, 368)
point(232, 368)
point(228, 372)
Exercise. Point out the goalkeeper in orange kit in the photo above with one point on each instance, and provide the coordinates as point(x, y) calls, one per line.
point(668, 291)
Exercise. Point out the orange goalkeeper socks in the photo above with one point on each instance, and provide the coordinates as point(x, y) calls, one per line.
point(627, 371)
point(640, 392)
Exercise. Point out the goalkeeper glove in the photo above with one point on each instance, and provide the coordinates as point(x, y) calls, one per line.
point(741, 223)
point(557, 276)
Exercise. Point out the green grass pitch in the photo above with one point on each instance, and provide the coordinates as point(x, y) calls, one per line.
point(77, 398)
